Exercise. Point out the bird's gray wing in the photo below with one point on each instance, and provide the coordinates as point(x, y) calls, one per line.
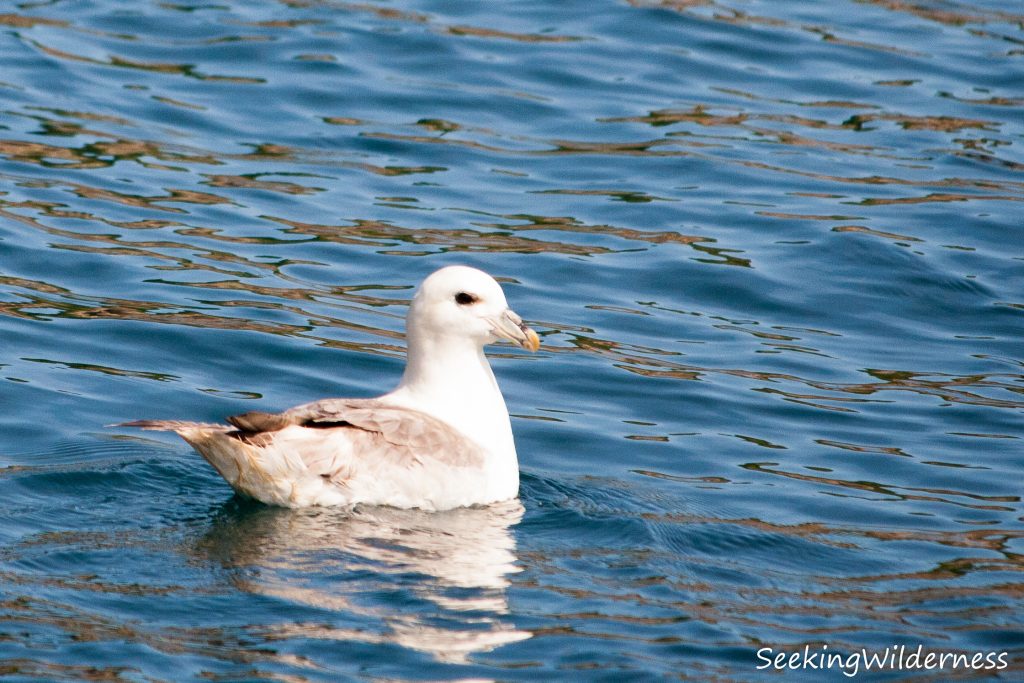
point(379, 434)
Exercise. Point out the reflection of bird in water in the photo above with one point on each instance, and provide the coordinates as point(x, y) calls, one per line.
point(434, 582)
point(442, 439)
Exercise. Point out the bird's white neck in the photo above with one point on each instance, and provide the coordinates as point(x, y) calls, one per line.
point(450, 378)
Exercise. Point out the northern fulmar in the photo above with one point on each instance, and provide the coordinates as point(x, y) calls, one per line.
point(442, 439)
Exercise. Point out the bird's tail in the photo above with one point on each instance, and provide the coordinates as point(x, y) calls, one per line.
point(252, 470)
point(172, 425)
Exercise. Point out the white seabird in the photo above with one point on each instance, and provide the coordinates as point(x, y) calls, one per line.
point(442, 439)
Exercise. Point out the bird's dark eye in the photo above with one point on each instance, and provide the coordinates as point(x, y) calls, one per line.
point(465, 298)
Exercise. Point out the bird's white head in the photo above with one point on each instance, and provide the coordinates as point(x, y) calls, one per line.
point(463, 303)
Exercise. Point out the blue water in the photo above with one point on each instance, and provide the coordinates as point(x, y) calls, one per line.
point(775, 252)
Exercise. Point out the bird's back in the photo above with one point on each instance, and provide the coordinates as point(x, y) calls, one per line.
point(344, 452)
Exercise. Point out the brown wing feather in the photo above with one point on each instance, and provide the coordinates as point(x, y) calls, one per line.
point(256, 421)
point(401, 435)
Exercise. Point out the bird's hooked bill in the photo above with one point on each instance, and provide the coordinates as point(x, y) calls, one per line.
point(511, 327)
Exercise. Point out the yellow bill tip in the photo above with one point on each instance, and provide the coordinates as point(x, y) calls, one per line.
point(532, 342)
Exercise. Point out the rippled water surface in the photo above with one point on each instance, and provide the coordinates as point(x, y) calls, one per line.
point(775, 252)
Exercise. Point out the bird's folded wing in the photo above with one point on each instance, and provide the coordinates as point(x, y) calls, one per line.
point(379, 431)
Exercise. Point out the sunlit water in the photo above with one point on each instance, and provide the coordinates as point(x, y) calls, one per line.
point(775, 251)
